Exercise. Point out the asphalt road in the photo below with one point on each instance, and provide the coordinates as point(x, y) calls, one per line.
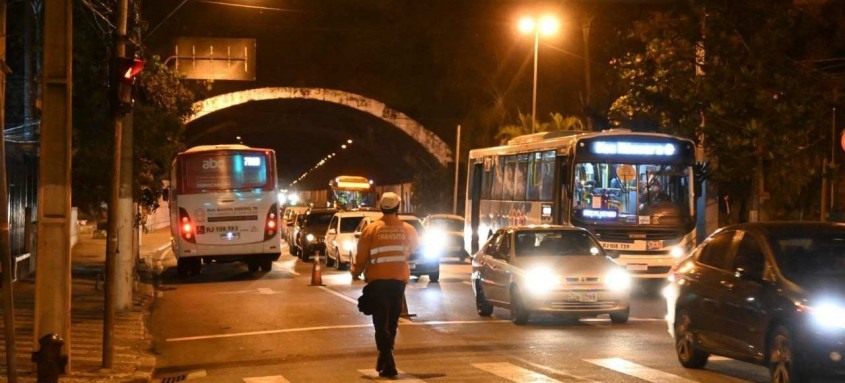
point(227, 325)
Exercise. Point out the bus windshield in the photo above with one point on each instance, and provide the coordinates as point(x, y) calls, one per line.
point(225, 171)
point(632, 194)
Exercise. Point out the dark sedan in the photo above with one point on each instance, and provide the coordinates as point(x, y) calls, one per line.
point(767, 293)
point(312, 234)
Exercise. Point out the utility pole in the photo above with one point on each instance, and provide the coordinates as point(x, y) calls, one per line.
point(5, 243)
point(52, 279)
point(588, 88)
point(121, 16)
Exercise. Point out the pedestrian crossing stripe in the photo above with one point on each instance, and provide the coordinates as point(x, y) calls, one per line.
point(267, 379)
point(373, 374)
point(638, 371)
point(514, 373)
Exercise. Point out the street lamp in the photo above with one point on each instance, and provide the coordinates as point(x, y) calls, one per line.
point(546, 25)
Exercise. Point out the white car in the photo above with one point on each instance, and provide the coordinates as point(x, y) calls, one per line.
point(341, 244)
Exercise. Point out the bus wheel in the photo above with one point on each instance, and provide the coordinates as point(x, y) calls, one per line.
point(266, 264)
point(182, 267)
point(195, 266)
point(252, 266)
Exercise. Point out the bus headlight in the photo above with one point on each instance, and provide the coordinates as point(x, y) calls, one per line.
point(348, 245)
point(541, 280)
point(617, 279)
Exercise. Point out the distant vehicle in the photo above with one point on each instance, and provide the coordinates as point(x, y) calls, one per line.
point(223, 207)
point(559, 270)
point(312, 234)
point(444, 233)
point(341, 244)
point(634, 191)
point(419, 262)
point(768, 293)
point(298, 220)
point(351, 193)
point(288, 221)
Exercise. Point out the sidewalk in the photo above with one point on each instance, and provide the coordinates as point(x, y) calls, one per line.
point(132, 359)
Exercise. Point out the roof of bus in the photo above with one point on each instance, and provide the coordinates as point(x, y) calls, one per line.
point(558, 139)
point(205, 148)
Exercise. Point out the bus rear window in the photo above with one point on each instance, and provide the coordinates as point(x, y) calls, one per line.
point(225, 171)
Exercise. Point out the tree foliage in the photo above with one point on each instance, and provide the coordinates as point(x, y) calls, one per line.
point(557, 122)
point(742, 78)
point(432, 192)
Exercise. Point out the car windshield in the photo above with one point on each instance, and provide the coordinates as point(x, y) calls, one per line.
point(447, 224)
point(818, 254)
point(555, 243)
point(321, 219)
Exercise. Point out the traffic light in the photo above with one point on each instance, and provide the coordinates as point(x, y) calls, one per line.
point(123, 77)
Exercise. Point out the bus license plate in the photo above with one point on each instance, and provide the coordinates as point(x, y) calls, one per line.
point(229, 236)
point(582, 297)
point(637, 267)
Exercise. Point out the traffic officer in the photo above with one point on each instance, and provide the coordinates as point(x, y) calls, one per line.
point(383, 251)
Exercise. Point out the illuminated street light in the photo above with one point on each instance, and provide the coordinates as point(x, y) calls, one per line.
point(343, 146)
point(546, 25)
point(349, 141)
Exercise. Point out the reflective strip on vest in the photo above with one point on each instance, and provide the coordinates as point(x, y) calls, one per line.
point(395, 258)
point(384, 249)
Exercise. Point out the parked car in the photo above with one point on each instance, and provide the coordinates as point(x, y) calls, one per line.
point(768, 293)
point(444, 233)
point(288, 221)
point(419, 263)
point(312, 234)
point(560, 270)
point(341, 244)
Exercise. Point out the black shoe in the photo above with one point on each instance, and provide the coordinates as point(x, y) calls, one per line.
point(388, 373)
point(381, 362)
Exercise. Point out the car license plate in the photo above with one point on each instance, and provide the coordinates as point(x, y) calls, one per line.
point(582, 297)
point(637, 267)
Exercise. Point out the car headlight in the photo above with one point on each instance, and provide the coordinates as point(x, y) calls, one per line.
point(541, 280)
point(348, 245)
point(828, 315)
point(677, 251)
point(617, 279)
point(310, 237)
point(434, 239)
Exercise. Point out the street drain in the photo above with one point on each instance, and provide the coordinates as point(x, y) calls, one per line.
point(181, 377)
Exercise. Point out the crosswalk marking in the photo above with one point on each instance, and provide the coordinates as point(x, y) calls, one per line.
point(638, 371)
point(373, 374)
point(555, 371)
point(514, 373)
point(267, 379)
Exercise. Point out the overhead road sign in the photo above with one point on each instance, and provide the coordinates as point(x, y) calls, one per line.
point(208, 58)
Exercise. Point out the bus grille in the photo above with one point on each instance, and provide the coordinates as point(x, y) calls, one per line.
point(624, 236)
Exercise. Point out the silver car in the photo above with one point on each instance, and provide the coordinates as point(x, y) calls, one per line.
point(557, 270)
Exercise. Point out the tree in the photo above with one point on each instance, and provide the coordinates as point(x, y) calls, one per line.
point(432, 192)
point(743, 79)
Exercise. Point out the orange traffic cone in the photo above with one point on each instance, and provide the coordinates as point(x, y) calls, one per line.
point(316, 274)
point(404, 313)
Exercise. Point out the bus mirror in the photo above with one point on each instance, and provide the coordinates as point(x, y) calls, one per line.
point(165, 194)
point(357, 234)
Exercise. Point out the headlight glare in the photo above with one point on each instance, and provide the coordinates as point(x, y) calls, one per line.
point(309, 237)
point(348, 245)
point(829, 315)
point(541, 280)
point(677, 252)
point(617, 279)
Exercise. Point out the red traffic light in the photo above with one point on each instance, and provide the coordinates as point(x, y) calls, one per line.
point(130, 67)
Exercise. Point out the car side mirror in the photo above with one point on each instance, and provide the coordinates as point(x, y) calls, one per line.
point(357, 234)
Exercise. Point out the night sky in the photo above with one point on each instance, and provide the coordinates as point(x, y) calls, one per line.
point(438, 61)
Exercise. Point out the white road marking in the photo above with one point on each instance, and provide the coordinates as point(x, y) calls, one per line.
point(514, 373)
point(324, 328)
point(638, 371)
point(260, 290)
point(341, 296)
point(267, 379)
point(373, 374)
point(716, 358)
point(555, 371)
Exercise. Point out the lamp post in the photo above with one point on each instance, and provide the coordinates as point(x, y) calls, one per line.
point(545, 25)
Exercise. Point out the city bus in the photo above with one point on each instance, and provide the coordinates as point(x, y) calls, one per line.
point(351, 192)
point(224, 207)
point(634, 191)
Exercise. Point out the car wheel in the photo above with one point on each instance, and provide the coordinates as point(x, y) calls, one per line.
point(434, 277)
point(266, 264)
point(182, 267)
point(620, 317)
point(329, 261)
point(482, 305)
point(519, 314)
point(688, 355)
point(252, 266)
point(782, 364)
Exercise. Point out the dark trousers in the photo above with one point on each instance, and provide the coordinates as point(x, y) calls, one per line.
point(388, 296)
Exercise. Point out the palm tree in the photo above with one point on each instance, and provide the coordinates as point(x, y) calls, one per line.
point(558, 122)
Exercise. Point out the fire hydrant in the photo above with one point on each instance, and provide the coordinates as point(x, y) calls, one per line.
point(51, 363)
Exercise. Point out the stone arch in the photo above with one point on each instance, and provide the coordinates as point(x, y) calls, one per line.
point(409, 126)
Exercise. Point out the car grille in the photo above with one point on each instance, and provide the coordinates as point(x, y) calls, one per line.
point(581, 279)
point(567, 305)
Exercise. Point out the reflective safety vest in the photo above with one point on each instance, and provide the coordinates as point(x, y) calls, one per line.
point(384, 248)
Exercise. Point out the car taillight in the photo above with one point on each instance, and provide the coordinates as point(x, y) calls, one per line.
point(272, 224)
point(186, 226)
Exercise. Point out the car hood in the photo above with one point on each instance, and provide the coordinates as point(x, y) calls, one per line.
point(569, 265)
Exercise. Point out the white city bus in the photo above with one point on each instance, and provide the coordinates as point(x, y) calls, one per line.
point(634, 191)
point(224, 207)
